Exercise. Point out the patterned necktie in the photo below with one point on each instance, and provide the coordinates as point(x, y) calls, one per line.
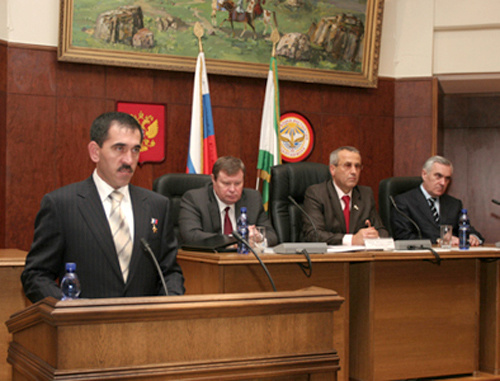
point(121, 233)
point(228, 226)
point(347, 212)
point(432, 205)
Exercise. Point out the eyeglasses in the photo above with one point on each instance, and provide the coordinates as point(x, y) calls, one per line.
point(348, 166)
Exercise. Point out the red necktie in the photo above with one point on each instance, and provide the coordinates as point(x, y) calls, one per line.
point(228, 226)
point(347, 212)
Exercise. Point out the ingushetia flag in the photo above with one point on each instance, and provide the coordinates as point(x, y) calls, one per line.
point(202, 152)
point(269, 145)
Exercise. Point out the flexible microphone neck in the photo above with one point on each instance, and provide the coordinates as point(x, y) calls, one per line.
point(238, 236)
point(495, 201)
point(147, 248)
point(406, 216)
point(292, 200)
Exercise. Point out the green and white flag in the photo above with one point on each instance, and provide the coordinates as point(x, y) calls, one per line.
point(269, 145)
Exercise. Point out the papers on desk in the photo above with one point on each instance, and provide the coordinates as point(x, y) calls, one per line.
point(475, 249)
point(344, 248)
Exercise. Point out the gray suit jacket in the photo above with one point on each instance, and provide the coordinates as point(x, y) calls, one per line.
point(199, 216)
point(322, 204)
point(414, 205)
point(71, 226)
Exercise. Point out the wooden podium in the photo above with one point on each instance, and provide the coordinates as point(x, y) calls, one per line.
point(231, 336)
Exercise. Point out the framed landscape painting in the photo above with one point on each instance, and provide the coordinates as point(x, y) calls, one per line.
point(322, 41)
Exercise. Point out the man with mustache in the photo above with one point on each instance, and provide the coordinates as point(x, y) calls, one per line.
point(343, 211)
point(99, 223)
point(436, 176)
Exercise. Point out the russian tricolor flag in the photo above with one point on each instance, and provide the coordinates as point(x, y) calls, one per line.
point(202, 148)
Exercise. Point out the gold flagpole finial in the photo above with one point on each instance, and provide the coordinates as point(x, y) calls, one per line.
point(275, 37)
point(198, 32)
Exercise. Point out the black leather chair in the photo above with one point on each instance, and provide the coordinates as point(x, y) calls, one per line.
point(173, 186)
point(393, 186)
point(292, 180)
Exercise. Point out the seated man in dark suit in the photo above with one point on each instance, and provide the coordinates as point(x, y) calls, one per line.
point(98, 224)
point(429, 207)
point(214, 209)
point(343, 211)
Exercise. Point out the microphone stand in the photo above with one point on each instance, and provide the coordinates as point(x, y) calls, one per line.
point(307, 270)
point(238, 236)
point(437, 260)
point(146, 247)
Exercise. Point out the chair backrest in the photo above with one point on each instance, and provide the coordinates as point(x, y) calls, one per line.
point(292, 180)
point(173, 186)
point(393, 186)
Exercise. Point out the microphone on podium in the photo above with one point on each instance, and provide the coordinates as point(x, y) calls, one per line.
point(147, 248)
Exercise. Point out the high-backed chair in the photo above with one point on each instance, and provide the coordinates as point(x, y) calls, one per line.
point(173, 186)
point(393, 186)
point(292, 180)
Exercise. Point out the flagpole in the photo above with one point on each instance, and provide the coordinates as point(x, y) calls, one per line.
point(275, 37)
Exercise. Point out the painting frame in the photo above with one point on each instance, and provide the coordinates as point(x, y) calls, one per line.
point(366, 77)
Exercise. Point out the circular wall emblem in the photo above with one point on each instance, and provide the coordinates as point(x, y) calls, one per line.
point(297, 137)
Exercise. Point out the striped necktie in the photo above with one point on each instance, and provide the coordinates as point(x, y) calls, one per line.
point(432, 205)
point(121, 233)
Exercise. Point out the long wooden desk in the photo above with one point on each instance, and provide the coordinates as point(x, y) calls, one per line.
point(403, 316)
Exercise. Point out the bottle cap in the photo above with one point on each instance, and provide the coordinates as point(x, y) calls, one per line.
point(70, 267)
point(243, 209)
point(464, 210)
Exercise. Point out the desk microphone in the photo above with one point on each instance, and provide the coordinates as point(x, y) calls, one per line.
point(406, 216)
point(292, 200)
point(412, 244)
point(147, 248)
point(238, 236)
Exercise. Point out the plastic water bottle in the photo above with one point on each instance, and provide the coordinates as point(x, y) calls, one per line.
point(70, 285)
point(243, 230)
point(463, 230)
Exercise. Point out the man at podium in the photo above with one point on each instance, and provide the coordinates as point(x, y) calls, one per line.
point(99, 224)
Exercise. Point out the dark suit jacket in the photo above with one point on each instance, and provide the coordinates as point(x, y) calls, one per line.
point(71, 226)
point(199, 216)
point(414, 205)
point(322, 204)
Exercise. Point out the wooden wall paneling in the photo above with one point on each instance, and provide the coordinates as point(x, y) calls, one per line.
point(80, 81)
point(471, 141)
point(413, 125)
point(30, 164)
point(305, 98)
point(377, 158)
point(31, 70)
point(3, 139)
point(3, 167)
point(72, 121)
point(83, 91)
point(124, 84)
